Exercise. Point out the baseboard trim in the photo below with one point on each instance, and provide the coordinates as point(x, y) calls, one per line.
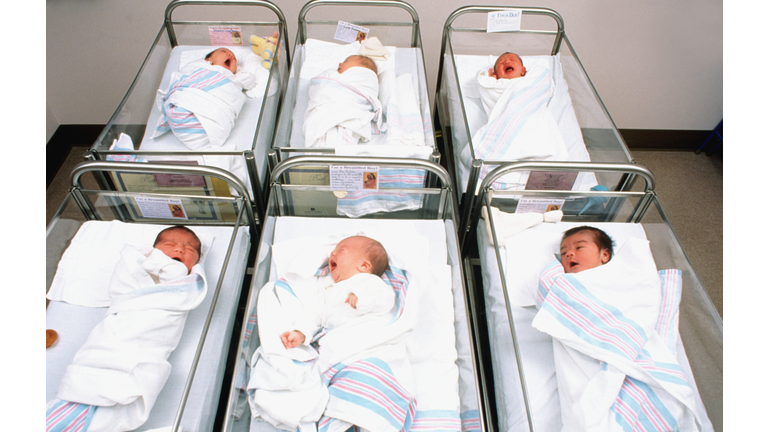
point(63, 140)
point(664, 139)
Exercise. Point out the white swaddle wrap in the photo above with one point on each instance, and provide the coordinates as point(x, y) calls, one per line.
point(122, 366)
point(519, 125)
point(341, 108)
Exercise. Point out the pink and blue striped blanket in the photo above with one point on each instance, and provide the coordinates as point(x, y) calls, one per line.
point(519, 126)
point(200, 107)
point(617, 367)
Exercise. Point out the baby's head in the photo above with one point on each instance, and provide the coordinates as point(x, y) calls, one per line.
point(357, 61)
point(357, 254)
point(508, 66)
point(224, 58)
point(179, 243)
point(583, 248)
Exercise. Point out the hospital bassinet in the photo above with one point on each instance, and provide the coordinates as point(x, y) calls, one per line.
point(83, 244)
point(190, 30)
point(526, 389)
point(396, 25)
point(443, 359)
point(587, 130)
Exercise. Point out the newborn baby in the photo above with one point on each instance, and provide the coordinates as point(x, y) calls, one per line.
point(343, 104)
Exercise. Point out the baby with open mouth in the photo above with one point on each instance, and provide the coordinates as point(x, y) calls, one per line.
point(583, 248)
point(507, 66)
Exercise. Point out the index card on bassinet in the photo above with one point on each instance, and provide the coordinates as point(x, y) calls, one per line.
point(354, 178)
point(505, 20)
point(161, 208)
point(538, 205)
point(349, 33)
point(225, 35)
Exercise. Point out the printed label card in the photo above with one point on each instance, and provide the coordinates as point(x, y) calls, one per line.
point(347, 32)
point(225, 36)
point(504, 20)
point(354, 178)
point(161, 208)
point(538, 205)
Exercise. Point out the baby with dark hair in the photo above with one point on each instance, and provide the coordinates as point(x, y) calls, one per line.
point(585, 247)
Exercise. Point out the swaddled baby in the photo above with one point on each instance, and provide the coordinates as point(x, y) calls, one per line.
point(205, 97)
point(343, 103)
point(118, 372)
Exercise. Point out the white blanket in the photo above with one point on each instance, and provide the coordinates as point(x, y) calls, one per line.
point(615, 372)
point(201, 105)
point(519, 125)
point(292, 388)
point(123, 365)
point(342, 108)
point(404, 123)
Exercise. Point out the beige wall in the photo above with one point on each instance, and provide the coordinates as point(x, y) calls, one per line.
point(656, 64)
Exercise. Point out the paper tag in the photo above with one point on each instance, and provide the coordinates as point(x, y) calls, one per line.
point(536, 205)
point(349, 33)
point(551, 180)
point(505, 20)
point(354, 178)
point(225, 36)
point(161, 208)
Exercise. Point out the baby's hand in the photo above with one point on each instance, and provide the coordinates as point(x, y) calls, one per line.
point(352, 300)
point(292, 339)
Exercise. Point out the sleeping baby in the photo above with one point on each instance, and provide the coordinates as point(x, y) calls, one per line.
point(205, 97)
point(118, 372)
point(343, 103)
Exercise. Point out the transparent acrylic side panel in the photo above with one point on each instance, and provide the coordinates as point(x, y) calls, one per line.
point(601, 137)
point(282, 134)
point(451, 115)
point(306, 191)
point(131, 116)
point(701, 327)
point(60, 231)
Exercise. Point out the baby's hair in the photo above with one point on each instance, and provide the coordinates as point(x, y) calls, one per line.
point(602, 239)
point(210, 54)
point(367, 62)
point(376, 253)
point(499, 58)
point(180, 228)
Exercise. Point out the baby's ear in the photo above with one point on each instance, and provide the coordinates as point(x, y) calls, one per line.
point(364, 266)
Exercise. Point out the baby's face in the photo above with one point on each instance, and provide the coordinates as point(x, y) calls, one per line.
point(579, 252)
point(508, 66)
point(346, 259)
point(181, 246)
point(224, 58)
point(349, 62)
